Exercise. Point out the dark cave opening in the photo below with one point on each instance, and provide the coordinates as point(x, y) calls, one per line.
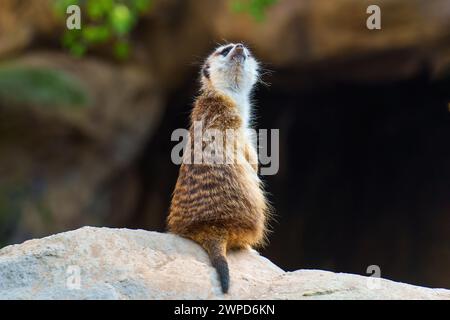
point(364, 176)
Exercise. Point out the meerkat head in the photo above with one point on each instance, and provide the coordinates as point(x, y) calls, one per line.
point(230, 68)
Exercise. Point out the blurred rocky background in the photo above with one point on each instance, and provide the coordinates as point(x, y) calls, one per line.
point(364, 118)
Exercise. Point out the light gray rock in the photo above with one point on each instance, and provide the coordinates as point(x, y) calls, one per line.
point(138, 264)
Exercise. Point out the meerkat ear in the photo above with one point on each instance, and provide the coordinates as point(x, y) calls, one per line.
point(205, 70)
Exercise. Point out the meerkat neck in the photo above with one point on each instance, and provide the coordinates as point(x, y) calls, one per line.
point(242, 101)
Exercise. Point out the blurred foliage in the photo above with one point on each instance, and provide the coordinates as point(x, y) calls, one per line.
point(103, 22)
point(109, 22)
point(256, 8)
point(40, 86)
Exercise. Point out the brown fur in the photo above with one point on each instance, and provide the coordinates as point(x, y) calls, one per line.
point(220, 206)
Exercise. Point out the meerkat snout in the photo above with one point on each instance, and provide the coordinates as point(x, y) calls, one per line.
point(238, 53)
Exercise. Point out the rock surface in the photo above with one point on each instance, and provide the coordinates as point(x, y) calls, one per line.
point(138, 264)
point(21, 22)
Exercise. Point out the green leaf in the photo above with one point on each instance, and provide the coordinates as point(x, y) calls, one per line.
point(238, 6)
point(70, 37)
point(40, 86)
point(106, 21)
point(142, 5)
point(60, 6)
point(256, 8)
point(97, 9)
point(78, 49)
point(96, 34)
point(121, 19)
point(121, 50)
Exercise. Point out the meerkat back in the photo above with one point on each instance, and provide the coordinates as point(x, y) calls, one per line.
point(218, 200)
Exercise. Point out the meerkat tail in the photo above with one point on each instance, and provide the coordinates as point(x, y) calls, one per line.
point(217, 254)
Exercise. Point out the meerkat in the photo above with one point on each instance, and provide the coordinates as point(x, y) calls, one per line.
point(223, 206)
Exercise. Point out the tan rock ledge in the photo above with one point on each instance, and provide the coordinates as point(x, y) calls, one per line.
point(103, 263)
